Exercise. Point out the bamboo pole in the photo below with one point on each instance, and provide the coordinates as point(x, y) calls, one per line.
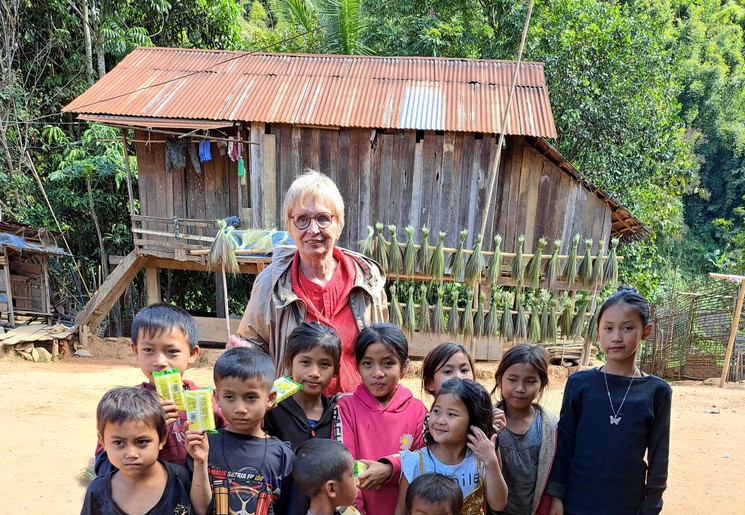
point(735, 322)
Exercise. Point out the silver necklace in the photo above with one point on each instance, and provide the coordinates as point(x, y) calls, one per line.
point(615, 418)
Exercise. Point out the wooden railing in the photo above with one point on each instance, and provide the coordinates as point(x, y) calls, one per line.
point(172, 237)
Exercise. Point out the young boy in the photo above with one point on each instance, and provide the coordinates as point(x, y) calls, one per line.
point(240, 469)
point(434, 494)
point(324, 471)
point(132, 430)
point(163, 336)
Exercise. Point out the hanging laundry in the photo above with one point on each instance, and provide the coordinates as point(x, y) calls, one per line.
point(222, 147)
point(231, 148)
point(205, 153)
point(194, 156)
point(175, 153)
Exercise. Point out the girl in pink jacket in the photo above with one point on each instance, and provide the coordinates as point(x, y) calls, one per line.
point(381, 417)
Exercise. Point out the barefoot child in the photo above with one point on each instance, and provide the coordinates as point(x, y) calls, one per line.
point(132, 430)
point(528, 442)
point(461, 443)
point(163, 336)
point(611, 418)
point(381, 417)
point(324, 470)
point(240, 469)
point(434, 494)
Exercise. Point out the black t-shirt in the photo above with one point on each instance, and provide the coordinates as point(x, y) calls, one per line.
point(174, 501)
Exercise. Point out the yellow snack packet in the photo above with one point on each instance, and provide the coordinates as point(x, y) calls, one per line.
point(285, 387)
point(169, 386)
point(199, 412)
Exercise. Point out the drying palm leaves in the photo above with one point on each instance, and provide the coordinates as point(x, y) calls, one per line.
point(552, 267)
point(395, 316)
point(518, 268)
point(533, 270)
point(457, 258)
point(395, 259)
point(579, 321)
point(410, 313)
point(468, 314)
point(454, 318)
point(553, 325)
point(570, 270)
point(423, 258)
point(424, 323)
point(495, 263)
point(475, 263)
point(250, 238)
point(507, 327)
point(410, 254)
point(596, 280)
point(492, 317)
point(437, 263)
point(545, 329)
point(521, 324)
point(479, 324)
point(367, 245)
point(265, 241)
point(566, 318)
point(534, 323)
point(381, 246)
point(438, 318)
point(584, 274)
point(591, 333)
point(610, 275)
point(222, 250)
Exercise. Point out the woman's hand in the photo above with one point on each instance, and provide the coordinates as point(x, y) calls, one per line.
point(375, 475)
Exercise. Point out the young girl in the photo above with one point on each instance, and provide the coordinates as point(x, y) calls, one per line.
point(527, 432)
point(381, 417)
point(312, 357)
point(446, 361)
point(461, 443)
point(611, 417)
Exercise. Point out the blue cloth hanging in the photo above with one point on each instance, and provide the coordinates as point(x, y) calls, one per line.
point(205, 154)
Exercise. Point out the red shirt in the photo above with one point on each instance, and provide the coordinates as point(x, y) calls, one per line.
point(329, 306)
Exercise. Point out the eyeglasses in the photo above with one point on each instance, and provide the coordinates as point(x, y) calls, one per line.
point(302, 222)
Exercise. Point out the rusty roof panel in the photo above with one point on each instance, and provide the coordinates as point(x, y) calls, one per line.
point(425, 93)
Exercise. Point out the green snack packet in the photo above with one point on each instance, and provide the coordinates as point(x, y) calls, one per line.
point(285, 387)
point(199, 410)
point(169, 386)
point(359, 468)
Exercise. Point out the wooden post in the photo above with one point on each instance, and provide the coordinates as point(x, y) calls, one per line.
point(152, 285)
point(8, 288)
point(129, 173)
point(735, 322)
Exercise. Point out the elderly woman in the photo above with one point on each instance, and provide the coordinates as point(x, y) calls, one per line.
point(314, 281)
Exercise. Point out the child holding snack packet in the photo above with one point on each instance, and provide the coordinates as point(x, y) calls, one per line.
point(164, 339)
point(132, 429)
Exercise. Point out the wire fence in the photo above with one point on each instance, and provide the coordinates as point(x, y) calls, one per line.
point(691, 331)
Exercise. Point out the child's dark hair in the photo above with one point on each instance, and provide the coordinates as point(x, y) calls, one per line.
point(160, 318)
point(319, 460)
point(435, 488)
point(389, 335)
point(244, 363)
point(436, 359)
point(309, 335)
point(629, 296)
point(130, 403)
point(477, 401)
point(534, 355)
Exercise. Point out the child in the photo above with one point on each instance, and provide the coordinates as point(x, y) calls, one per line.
point(381, 417)
point(240, 469)
point(461, 443)
point(434, 494)
point(528, 442)
point(163, 336)
point(446, 361)
point(610, 419)
point(132, 430)
point(324, 470)
point(312, 356)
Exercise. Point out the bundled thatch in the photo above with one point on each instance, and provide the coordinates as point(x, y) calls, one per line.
point(395, 316)
point(424, 321)
point(437, 263)
point(457, 258)
point(475, 263)
point(423, 258)
point(552, 267)
point(410, 313)
point(492, 317)
point(585, 268)
point(468, 314)
point(596, 280)
point(495, 263)
point(611, 266)
point(533, 270)
point(366, 246)
point(395, 259)
point(570, 270)
point(507, 327)
point(381, 246)
point(454, 317)
point(518, 267)
point(438, 318)
point(410, 253)
point(479, 324)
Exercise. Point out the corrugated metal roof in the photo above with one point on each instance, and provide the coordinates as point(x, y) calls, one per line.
point(425, 93)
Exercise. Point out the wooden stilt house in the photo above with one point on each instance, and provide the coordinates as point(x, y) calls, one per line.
point(408, 140)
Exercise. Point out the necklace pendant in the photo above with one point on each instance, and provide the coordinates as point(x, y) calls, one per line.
point(614, 420)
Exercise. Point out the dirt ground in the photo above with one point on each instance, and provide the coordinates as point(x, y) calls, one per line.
point(49, 432)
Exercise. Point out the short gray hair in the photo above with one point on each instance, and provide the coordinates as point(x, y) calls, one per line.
point(315, 185)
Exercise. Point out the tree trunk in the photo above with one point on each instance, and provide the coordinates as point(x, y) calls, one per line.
point(102, 250)
point(88, 44)
point(100, 57)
